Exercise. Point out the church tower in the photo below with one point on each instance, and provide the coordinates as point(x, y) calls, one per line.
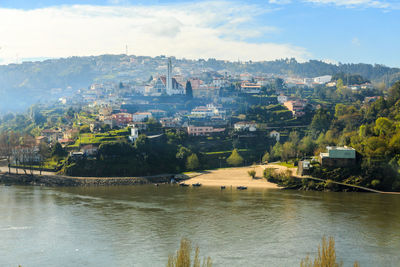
point(169, 88)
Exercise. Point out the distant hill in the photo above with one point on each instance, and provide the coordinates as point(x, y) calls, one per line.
point(24, 84)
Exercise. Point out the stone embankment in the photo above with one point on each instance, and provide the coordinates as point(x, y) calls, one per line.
point(59, 180)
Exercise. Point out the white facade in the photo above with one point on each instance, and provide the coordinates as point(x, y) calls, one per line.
point(169, 89)
point(245, 126)
point(323, 79)
point(276, 135)
point(134, 134)
point(282, 99)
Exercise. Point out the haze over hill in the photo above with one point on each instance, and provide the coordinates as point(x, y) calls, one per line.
point(30, 82)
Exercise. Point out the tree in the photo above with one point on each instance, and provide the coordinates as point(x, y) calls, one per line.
point(252, 173)
point(276, 151)
point(307, 145)
point(339, 85)
point(266, 157)
point(192, 162)
point(321, 121)
point(394, 92)
point(234, 159)
point(58, 150)
point(288, 151)
point(44, 153)
point(8, 142)
point(189, 90)
point(153, 124)
point(294, 138)
point(383, 126)
point(84, 129)
point(279, 83)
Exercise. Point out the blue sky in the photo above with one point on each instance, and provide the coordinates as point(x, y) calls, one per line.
point(333, 30)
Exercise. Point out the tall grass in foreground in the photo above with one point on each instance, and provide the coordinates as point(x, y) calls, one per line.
point(182, 258)
point(326, 256)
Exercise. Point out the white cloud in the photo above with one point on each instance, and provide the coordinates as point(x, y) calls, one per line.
point(359, 3)
point(197, 30)
point(382, 4)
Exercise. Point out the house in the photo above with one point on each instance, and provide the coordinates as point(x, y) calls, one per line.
point(205, 91)
point(219, 82)
point(65, 141)
point(157, 113)
point(141, 126)
point(77, 155)
point(276, 135)
point(110, 121)
point(52, 135)
point(304, 167)
point(89, 150)
point(250, 88)
point(203, 130)
point(25, 154)
point(141, 116)
point(208, 111)
point(245, 126)
point(95, 127)
point(122, 118)
point(296, 107)
point(338, 157)
point(71, 133)
point(41, 140)
point(282, 99)
point(170, 122)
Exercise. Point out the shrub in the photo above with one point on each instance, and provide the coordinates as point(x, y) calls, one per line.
point(326, 256)
point(252, 173)
point(235, 159)
point(182, 258)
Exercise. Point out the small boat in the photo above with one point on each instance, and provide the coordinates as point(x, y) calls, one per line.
point(196, 184)
point(241, 187)
point(223, 187)
point(183, 184)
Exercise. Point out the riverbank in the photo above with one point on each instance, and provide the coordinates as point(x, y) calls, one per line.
point(60, 180)
point(232, 177)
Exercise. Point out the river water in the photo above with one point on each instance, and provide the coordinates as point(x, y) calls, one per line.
point(141, 225)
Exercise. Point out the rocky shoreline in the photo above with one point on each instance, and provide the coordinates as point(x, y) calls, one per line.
point(60, 180)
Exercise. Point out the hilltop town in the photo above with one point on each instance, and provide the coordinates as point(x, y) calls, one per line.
point(177, 121)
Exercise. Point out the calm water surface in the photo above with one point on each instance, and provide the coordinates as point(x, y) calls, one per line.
point(141, 225)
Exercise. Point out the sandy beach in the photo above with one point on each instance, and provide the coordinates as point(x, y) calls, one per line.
point(233, 177)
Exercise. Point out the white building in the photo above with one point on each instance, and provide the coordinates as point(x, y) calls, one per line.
point(209, 111)
point(276, 135)
point(323, 79)
point(134, 134)
point(245, 126)
point(282, 99)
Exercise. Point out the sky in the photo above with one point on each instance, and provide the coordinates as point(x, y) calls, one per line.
point(346, 31)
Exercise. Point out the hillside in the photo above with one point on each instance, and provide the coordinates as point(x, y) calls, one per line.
point(30, 82)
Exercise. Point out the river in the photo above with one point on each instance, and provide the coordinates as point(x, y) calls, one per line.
point(141, 225)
